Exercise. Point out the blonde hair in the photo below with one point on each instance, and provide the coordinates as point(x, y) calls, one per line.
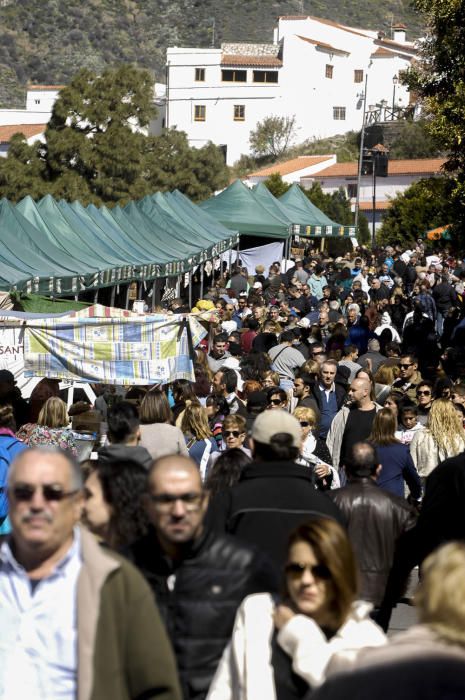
point(54, 413)
point(440, 598)
point(308, 414)
point(446, 428)
point(195, 421)
point(385, 375)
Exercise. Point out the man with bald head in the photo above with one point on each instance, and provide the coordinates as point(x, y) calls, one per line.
point(199, 578)
point(71, 613)
point(353, 422)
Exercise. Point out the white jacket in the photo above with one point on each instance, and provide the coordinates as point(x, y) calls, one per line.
point(245, 671)
point(426, 453)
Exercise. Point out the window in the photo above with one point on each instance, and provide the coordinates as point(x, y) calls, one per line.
point(329, 71)
point(339, 113)
point(234, 76)
point(358, 76)
point(200, 113)
point(352, 190)
point(239, 113)
point(265, 76)
point(200, 75)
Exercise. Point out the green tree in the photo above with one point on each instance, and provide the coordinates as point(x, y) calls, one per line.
point(439, 79)
point(422, 206)
point(273, 136)
point(170, 163)
point(413, 140)
point(96, 150)
point(276, 185)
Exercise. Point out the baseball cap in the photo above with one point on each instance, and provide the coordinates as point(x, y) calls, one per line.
point(257, 285)
point(271, 423)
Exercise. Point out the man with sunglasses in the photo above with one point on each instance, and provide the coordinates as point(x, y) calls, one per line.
point(410, 377)
point(71, 613)
point(199, 578)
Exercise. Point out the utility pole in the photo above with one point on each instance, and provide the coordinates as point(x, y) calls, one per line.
point(360, 158)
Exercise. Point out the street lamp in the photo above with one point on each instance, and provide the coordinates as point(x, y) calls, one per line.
point(395, 80)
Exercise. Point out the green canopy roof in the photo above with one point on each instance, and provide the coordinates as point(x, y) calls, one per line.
point(238, 208)
point(313, 222)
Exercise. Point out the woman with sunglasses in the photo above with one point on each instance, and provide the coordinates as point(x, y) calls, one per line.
point(281, 650)
point(314, 452)
point(277, 399)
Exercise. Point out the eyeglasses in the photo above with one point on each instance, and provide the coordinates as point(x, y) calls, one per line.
point(297, 570)
point(276, 402)
point(50, 492)
point(424, 393)
point(304, 423)
point(232, 433)
point(406, 366)
point(164, 502)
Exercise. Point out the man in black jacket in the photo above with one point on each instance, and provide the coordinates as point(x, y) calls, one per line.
point(274, 494)
point(375, 519)
point(199, 578)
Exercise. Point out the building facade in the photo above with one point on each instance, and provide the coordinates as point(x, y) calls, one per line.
point(315, 69)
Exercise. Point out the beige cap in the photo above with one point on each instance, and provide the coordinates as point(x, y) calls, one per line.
point(274, 421)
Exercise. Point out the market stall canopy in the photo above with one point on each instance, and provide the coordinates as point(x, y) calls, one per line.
point(101, 344)
point(238, 209)
point(313, 222)
point(440, 233)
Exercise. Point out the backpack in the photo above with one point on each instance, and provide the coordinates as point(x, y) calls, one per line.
point(6, 457)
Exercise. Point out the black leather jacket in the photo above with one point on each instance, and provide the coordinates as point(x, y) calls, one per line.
point(375, 520)
point(198, 598)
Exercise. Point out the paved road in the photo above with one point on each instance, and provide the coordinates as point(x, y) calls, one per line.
point(404, 616)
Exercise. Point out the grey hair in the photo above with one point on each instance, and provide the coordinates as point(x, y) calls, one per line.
point(77, 479)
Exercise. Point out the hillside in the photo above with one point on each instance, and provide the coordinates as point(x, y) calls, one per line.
point(47, 42)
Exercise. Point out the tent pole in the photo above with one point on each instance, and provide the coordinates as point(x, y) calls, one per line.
point(230, 261)
point(190, 289)
point(96, 296)
point(154, 294)
point(126, 304)
point(112, 297)
point(201, 280)
point(178, 286)
point(322, 245)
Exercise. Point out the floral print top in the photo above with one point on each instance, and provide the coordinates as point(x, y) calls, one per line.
point(58, 437)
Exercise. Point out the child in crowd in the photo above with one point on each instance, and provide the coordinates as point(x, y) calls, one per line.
point(408, 423)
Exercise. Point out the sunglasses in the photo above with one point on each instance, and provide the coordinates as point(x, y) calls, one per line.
point(304, 423)
point(423, 393)
point(50, 492)
point(406, 366)
point(276, 402)
point(319, 352)
point(231, 433)
point(297, 570)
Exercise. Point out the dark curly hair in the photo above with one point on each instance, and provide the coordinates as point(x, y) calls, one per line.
point(123, 485)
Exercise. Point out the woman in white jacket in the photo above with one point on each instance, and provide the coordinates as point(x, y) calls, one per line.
point(279, 650)
point(443, 437)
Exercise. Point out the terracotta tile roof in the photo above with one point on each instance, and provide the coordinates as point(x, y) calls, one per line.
point(399, 25)
point(28, 130)
point(383, 53)
point(46, 87)
point(290, 166)
point(241, 60)
point(325, 21)
point(328, 47)
point(389, 43)
point(380, 206)
point(421, 166)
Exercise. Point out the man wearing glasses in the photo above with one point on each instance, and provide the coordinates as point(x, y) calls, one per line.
point(409, 379)
point(199, 578)
point(76, 621)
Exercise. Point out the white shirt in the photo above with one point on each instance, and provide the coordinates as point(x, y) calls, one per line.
point(38, 630)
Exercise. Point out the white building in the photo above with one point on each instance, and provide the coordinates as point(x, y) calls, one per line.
point(401, 174)
point(315, 69)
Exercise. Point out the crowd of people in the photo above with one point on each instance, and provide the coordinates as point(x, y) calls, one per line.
point(247, 535)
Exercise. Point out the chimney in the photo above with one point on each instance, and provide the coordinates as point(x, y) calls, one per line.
point(399, 33)
point(275, 35)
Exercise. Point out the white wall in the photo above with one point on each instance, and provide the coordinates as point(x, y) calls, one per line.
point(303, 89)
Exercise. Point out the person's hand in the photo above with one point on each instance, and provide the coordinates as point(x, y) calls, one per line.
point(322, 470)
point(281, 615)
